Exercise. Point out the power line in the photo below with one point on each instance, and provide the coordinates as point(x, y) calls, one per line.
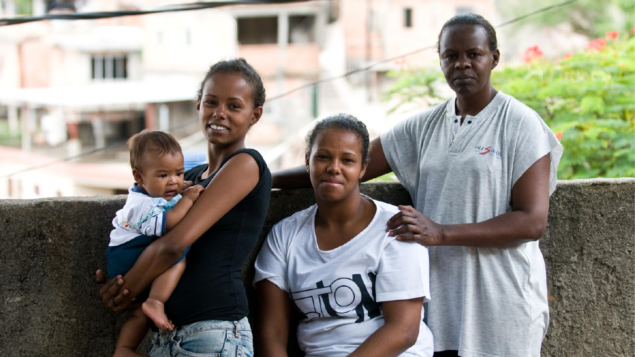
point(544, 9)
point(367, 68)
point(308, 85)
point(359, 70)
point(92, 151)
point(109, 14)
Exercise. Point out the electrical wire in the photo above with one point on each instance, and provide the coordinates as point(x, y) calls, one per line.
point(109, 14)
point(92, 151)
point(308, 85)
point(543, 9)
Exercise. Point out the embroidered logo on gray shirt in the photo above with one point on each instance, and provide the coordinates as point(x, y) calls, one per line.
point(482, 150)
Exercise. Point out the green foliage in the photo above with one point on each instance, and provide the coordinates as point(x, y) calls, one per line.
point(418, 87)
point(587, 99)
point(8, 138)
point(24, 7)
point(592, 18)
point(389, 177)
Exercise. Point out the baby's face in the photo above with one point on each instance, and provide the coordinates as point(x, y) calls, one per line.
point(162, 176)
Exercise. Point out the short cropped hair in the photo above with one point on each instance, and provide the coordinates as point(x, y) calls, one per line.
point(472, 20)
point(238, 66)
point(345, 122)
point(155, 142)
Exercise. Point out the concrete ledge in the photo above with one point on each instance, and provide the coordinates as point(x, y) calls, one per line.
point(50, 248)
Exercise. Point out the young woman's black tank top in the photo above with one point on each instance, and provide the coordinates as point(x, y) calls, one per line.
point(211, 287)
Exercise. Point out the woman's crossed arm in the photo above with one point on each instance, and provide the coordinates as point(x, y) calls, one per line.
point(400, 331)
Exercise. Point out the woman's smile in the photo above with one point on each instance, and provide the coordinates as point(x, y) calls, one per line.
point(218, 129)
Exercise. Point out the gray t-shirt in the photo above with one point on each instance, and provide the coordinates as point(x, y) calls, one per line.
point(488, 301)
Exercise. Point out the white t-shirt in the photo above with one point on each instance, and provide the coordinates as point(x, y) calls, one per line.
point(340, 291)
point(488, 301)
point(141, 215)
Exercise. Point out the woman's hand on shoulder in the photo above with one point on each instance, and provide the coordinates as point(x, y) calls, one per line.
point(410, 225)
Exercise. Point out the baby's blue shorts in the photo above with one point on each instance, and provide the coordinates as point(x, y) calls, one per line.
point(122, 257)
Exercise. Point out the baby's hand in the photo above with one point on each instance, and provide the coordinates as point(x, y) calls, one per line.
point(186, 185)
point(193, 192)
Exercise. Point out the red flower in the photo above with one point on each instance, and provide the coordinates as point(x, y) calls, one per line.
point(612, 35)
point(568, 55)
point(559, 135)
point(633, 30)
point(597, 44)
point(532, 53)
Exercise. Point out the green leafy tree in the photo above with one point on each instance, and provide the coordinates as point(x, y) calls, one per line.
point(592, 18)
point(587, 99)
point(24, 7)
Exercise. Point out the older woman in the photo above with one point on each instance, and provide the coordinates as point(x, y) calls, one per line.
point(480, 169)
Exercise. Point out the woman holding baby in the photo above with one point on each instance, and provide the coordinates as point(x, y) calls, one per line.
point(208, 307)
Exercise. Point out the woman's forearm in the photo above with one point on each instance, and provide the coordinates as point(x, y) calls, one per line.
point(295, 177)
point(389, 340)
point(527, 221)
point(271, 345)
point(274, 314)
point(127, 352)
point(154, 260)
point(507, 230)
point(298, 177)
point(399, 332)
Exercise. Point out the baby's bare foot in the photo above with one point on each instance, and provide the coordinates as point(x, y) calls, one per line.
point(154, 309)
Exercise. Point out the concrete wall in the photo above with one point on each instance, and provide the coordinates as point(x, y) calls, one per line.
point(50, 248)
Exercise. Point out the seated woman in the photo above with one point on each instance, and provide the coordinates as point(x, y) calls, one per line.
point(360, 291)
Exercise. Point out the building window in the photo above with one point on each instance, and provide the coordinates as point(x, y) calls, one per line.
point(407, 17)
point(301, 29)
point(109, 67)
point(463, 10)
point(257, 30)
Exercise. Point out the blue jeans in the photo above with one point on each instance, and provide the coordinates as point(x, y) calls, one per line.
point(206, 338)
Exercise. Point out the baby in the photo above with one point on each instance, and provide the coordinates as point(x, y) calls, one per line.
point(153, 207)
